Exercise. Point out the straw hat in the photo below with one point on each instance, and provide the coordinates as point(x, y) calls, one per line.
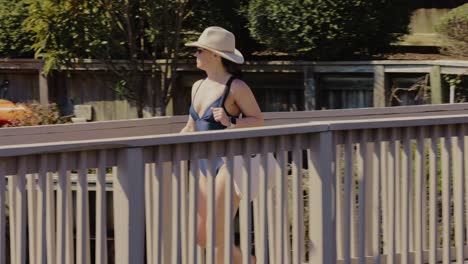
point(219, 41)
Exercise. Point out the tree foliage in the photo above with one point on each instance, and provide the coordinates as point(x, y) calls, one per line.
point(14, 40)
point(327, 29)
point(454, 26)
point(136, 31)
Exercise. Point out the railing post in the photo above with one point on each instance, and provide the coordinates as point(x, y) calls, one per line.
point(310, 88)
point(436, 85)
point(379, 86)
point(129, 210)
point(321, 223)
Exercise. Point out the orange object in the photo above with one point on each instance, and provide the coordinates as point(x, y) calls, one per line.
point(10, 111)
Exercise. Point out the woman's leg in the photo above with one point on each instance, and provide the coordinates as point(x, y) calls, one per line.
point(220, 195)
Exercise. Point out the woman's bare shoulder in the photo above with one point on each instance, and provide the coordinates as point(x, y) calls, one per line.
point(196, 85)
point(239, 85)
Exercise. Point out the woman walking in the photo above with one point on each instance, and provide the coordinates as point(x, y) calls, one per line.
point(217, 102)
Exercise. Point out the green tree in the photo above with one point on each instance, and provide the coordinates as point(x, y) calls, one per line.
point(330, 29)
point(147, 35)
point(139, 32)
point(454, 27)
point(14, 41)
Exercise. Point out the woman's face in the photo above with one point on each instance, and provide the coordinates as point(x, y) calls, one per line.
point(205, 58)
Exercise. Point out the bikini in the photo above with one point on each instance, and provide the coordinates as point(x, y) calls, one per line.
point(206, 122)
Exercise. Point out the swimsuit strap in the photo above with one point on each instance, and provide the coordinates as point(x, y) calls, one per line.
point(227, 89)
point(196, 91)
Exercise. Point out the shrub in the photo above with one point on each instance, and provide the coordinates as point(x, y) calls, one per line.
point(37, 115)
point(14, 41)
point(327, 29)
point(454, 26)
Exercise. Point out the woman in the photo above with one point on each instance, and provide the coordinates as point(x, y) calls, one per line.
point(217, 102)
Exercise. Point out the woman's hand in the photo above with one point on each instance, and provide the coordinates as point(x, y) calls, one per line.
point(220, 116)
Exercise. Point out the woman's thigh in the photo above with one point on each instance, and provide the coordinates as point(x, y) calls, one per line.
point(220, 194)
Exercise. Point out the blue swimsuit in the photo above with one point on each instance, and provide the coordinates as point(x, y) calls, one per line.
point(207, 122)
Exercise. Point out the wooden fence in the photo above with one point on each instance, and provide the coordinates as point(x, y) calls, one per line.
point(376, 190)
point(277, 85)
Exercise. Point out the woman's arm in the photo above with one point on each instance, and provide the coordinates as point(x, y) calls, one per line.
point(245, 100)
point(189, 127)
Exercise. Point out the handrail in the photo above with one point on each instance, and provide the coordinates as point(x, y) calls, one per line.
point(210, 136)
point(173, 124)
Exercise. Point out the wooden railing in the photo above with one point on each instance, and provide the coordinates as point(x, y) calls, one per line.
point(369, 190)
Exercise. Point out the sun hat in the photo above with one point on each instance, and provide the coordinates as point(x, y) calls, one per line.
point(219, 41)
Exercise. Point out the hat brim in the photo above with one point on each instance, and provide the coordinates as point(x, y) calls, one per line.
point(235, 57)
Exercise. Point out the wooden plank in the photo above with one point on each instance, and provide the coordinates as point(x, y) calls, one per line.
point(407, 68)
point(262, 254)
point(20, 211)
point(343, 68)
point(433, 196)
point(101, 207)
point(347, 196)
point(129, 207)
point(391, 214)
point(245, 215)
point(379, 86)
point(32, 215)
point(322, 248)
point(41, 241)
point(3, 218)
point(210, 225)
point(83, 254)
point(377, 171)
point(456, 139)
point(297, 203)
point(228, 208)
point(406, 178)
point(420, 195)
point(193, 208)
point(446, 193)
point(149, 212)
point(176, 204)
point(282, 239)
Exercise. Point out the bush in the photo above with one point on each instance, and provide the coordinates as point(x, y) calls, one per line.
point(14, 41)
point(37, 115)
point(328, 29)
point(454, 26)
